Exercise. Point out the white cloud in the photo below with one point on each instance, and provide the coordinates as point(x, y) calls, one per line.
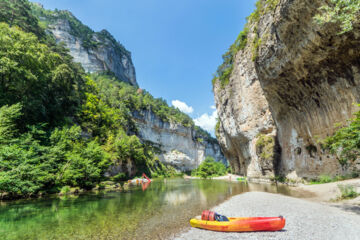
point(207, 121)
point(182, 106)
point(213, 107)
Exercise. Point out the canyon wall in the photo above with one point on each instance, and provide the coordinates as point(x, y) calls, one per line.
point(289, 86)
point(96, 51)
point(179, 146)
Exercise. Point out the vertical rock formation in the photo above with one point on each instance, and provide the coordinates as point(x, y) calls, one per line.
point(291, 83)
point(96, 51)
point(180, 147)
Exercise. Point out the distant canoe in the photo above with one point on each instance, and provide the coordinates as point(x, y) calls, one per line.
point(138, 181)
point(245, 224)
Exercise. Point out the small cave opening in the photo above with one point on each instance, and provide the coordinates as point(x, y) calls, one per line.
point(311, 149)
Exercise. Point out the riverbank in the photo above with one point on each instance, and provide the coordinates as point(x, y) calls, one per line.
point(304, 219)
point(228, 177)
point(330, 192)
point(326, 192)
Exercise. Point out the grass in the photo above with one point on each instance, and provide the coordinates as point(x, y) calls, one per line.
point(242, 179)
point(327, 179)
point(347, 192)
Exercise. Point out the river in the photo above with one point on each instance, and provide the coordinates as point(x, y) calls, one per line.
point(161, 210)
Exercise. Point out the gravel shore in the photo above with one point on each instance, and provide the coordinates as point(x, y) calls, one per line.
point(304, 219)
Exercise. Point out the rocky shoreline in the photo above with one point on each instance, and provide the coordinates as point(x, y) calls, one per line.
point(314, 213)
point(304, 219)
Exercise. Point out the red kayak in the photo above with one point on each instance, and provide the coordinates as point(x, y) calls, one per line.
point(241, 224)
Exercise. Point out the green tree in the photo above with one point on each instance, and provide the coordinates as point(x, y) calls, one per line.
point(345, 142)
point(210, 168)
point(47, 84)
point(18, 13)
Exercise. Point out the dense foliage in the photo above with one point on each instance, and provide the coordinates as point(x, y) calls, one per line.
point(343, 12)
point(33, 161)
point(18, 13)
point(45, 82)
point(209, 168)
point(129, 99)
point(345, 143)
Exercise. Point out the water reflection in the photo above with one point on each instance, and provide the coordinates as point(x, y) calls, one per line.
point(164, 207)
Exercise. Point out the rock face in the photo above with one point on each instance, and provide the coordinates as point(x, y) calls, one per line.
point(280, 103)
point(180, 146)
point(96, 51)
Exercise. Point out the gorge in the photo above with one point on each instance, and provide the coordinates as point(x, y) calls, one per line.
point(290, 82)
point(181, 146)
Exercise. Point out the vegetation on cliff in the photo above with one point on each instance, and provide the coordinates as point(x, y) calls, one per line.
point(342, 12)
point(89, 38)
point(345, 143)
point(265, 147)
point(225, 69)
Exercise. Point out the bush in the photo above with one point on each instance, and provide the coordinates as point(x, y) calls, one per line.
point(347, 191)
point(265, 145)
point(120, 177)
point(65, 190)
point(209, 168)
point(325, 179)
point(343, 12)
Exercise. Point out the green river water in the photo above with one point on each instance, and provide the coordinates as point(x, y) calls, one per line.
point(163, 209)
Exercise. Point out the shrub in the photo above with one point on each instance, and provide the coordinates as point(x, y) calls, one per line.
point(325, 179)
point(265, 147)
point(345, 142)
point(65, 190)
point(209, 168)
point(342, 12)
point(347, 191)
point(120, 177)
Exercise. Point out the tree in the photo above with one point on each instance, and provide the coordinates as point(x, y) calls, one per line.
point(345, 142)
point(48, 85)
point(209, 168)
point(18, 13)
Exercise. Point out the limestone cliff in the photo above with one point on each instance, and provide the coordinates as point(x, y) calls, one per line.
point(96, 51)
point(289, 85)
point(181, 147)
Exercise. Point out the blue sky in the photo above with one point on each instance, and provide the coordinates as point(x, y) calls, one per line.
point(176, 45)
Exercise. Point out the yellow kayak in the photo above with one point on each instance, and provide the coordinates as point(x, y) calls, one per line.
point(245, 224)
